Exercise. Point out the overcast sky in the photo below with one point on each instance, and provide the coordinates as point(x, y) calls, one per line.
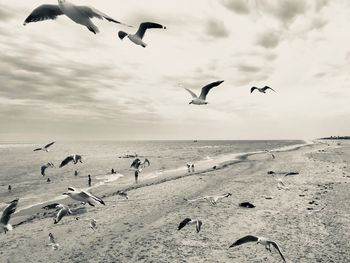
point(59, 81)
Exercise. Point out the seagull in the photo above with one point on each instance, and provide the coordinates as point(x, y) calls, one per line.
point(272, 155)
point(138, 165)
point(83, 196)
point(189, 221)
point(45, 166)
point(281, 185)
point(260, 240)
point(137, 37)
point(212, 199)
point(205, 90)
point(79, 14)
point(64, 210)
point(45, 148)
point(93, 222)
point(262, 90)
point(6, 215)
point(74, 157)
point(53, 243)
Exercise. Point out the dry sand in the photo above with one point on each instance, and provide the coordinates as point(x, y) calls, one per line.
point(144, 228)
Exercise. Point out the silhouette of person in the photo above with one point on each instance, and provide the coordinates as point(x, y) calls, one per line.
point(75, 172)
point(136, 175)
point(10, 188)
point(113, 172)
point(48, 180)
point(89, 180)
point(192, 167)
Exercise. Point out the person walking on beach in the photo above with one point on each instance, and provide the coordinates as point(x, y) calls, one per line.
point(76, 173)
point(10, 188)
point(113, 172)
point(136, 175)
point(48, 180)
point(89, 180)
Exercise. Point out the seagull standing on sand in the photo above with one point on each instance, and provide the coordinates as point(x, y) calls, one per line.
point(137, 37)
point(259, 240)
point(79, 14)
point(6, 215)
point(262, 90)
point(205, 90)
point(74, 157)
point(64, 210)
point(45, 166)
point(138, 165)
point(53, 243)
point(189, 221)
point(84, 197)
point(45, 148)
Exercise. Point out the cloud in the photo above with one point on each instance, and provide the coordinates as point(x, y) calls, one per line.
point(237, 6)
point(216, 28)
point(269, 39)
point(248, 68)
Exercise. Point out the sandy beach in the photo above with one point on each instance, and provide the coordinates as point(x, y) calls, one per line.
point(309, 220)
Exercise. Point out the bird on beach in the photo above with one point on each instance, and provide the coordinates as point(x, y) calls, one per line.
point(45, 166)
point(64, 210)
point(205, 90)
point(189, 221)
point(53, 243)
point(138, 36)
point(260, 240)
point(84, 197)
point(75, 158)
point(212, 199)
point(123, 194)
point(79, 14)
point(262, 90)
point(93, 222)
point(6, 216)
point(272, 155)
point(138, 165)
point(45, 148)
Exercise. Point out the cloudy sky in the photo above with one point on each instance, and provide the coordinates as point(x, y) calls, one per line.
point(59, 81)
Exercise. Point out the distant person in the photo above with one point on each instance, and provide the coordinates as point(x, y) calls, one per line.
point(113, 172)
point(136, 175)
point(89, 180)
point(48, 180)
point(76, 173)
point(188, 167)
point(10, 188)
point(192, 167)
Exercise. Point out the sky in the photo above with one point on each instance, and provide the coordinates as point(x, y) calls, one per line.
point(59, 81)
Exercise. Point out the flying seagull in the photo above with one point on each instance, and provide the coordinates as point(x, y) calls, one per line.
point(45, 166)
point(53, 243)
point(137, 37)
point(189, 221)
point(64, 210)
point(6, 215)
point(84, 197)
point(74, 157)
point(212, 199)
point(45, 148)
point(205, 90)
point(79, 14)
point(262, 90)
point(138, 165)
point(259, 240)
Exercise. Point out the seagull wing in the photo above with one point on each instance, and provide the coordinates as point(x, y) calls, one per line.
point(94, 197)
point(208, 87)
point(252, 89)
point(93, 12)
point(147, 25)
point(136, 163)
point(66, 161)
point(146, 162)
point(192, 93)
point(244, 240)
point(48, 145)
point(43, 12)
point(267, 87)
point(37, 149)
point(43, 168)
point(278, 249)
point(184, 223)
point(61, 213)
point(9, 210)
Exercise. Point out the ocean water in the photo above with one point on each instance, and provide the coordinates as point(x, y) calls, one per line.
point(20, 166)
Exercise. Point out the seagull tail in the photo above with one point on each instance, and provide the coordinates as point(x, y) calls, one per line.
point(9, 227)
point(122, 34)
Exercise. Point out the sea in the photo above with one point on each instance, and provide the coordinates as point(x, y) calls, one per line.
point(20, 165)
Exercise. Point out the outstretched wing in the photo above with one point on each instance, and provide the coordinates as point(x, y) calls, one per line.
point(96, 198)
point(208, 87)
point(252, 89)
point(43, 12)
point(244, 240)
point(48, 145)
point(9, 210)
point(267, 87)
point(278, 249)
point(184, 223)
point(37, 149)
point(146, 163)
point(147, 25)
point(192, 93)
point(66, 161)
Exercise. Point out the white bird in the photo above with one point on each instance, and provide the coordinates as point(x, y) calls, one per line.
point(6, 215)
point(64, 210)
point(79, 14)
point(45, 166)
point(84, 197)
point(205, 90)
point(212, 199)
point(45, 148)
point(260, 240)
point(75, 158)
point(189, 221)
point(93, 222)
point(262, 90)
point(281, 185)
point(138, 165)
point(53, 243)
point(138, 36)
